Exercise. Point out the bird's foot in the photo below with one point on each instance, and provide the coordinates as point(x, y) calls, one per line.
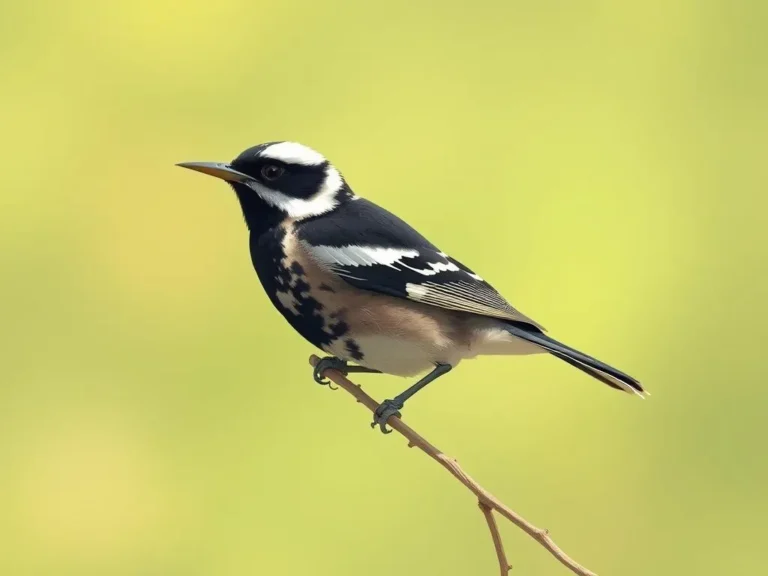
point(383, 412)
point(328, 363)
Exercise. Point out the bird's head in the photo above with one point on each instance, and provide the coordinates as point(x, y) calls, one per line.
point(280, 180)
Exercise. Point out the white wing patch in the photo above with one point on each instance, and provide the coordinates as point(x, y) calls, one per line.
point(458, 289)
point(434, 268)
point(376, 256)
point(359, 255)
point(293, 153)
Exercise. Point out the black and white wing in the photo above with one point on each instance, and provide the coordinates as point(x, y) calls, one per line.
point(374, 250)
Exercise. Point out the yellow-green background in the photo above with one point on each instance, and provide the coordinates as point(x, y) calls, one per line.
point(601, 163)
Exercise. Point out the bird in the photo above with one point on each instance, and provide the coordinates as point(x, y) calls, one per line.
point(362, 285)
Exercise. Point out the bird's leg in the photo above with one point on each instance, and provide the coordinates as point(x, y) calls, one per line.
point(333, 363)
point(392, 407)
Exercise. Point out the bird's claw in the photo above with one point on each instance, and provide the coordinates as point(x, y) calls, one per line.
point(328, 363)
point(383, 412)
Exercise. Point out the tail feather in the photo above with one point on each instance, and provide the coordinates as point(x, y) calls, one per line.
point(592, 366)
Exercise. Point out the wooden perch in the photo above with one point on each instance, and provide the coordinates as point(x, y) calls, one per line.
point(488, 502)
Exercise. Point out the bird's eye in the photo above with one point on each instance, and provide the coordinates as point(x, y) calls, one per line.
point(272, 172)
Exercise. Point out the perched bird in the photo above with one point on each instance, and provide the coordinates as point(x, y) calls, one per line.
point(365, 287)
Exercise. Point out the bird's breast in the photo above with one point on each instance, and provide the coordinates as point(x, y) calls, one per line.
point(390, 334)
point(286, 275)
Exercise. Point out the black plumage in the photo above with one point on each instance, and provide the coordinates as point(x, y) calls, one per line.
point(360, 283)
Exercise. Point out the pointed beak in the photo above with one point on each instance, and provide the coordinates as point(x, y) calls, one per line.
point(217, 169)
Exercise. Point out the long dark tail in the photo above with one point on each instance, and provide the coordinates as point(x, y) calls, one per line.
point(599, 370)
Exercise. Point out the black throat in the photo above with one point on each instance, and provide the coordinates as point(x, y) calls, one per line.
point(268, 228)
point(259, 216)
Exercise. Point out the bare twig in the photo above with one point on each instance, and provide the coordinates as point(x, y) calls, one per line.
point(504, 566)
point(488, 502)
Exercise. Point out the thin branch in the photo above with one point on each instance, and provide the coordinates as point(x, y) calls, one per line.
point(488, 502)
point(487, 511)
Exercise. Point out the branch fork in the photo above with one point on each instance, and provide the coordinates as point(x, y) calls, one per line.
point(487, 502)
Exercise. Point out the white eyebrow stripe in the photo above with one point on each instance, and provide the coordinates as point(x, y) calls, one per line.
point(293, 153)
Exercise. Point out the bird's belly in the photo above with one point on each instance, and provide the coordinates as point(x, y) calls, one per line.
point(394, 355)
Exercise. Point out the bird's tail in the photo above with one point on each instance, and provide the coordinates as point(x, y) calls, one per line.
point(599, 370)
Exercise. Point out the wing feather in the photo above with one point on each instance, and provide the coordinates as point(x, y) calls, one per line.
point(425, 275)
point(372, 249)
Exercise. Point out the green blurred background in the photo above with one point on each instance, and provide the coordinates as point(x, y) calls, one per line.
point(601, 163)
